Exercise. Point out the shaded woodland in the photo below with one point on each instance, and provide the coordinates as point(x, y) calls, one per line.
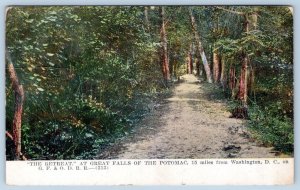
point(80, 77)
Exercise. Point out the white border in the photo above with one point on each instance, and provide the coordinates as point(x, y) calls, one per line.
point(272, 171)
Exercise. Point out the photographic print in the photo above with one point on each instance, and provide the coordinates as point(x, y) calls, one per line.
point(89, 88)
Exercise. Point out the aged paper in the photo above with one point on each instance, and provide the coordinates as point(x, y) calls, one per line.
point(152, 172)
point(149, 95)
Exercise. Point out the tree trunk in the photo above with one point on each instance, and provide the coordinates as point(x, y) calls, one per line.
point(223, 73)
point(190, 61)
point(252, 79)
point(187, 64)
point(22, 156)
point(171, 68)
point(200, 47)
point(146, 18)
point(197, 67)
point(250, 24)
point(175, 68)
point(19, 99)
point(216, 66)
point(243, 90)
point(164, 45)
point(232, 81)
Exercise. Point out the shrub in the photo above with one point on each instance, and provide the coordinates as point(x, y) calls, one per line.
point(272, 129)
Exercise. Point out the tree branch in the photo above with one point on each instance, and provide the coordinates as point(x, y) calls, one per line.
point(11, 138)
point(230, 11)
point(18, 107)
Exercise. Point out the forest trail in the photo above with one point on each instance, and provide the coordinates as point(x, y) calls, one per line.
point(192, 123)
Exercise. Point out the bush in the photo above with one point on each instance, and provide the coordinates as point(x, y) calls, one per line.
point(77, 128)
point(272, 130)
point(57, 140)
point(76, 131)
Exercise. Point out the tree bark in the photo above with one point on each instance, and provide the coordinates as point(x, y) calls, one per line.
point(243, 90)
point(146, 18)
point(252, 79)
point(197, 67)
point(223, 73)
point(22, 156)
point(200, 47)
point(175, 68)
point(250, 24)
point(164, 45)
point(19, 99)
point(216, 66)
point(232, 81)
point(190, 61)
point(187, 64)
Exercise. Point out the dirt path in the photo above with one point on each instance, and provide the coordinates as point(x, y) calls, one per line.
point(190, 124)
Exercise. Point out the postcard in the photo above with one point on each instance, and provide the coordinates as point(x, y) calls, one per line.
point(149, 95)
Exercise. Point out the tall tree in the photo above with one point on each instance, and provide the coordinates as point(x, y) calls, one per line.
point(223, 73)
point(18, 107)
point(216, 66)
point(164, 46)
point(249, 25)
point(190, 60)
point(200, 47)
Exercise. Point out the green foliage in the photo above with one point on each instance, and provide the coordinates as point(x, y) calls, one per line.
point(76, 132)
point(271, 128)
point(248, 43)
point(88, 74)
point(57, 140)
point(78, 136)
point(269, 48)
